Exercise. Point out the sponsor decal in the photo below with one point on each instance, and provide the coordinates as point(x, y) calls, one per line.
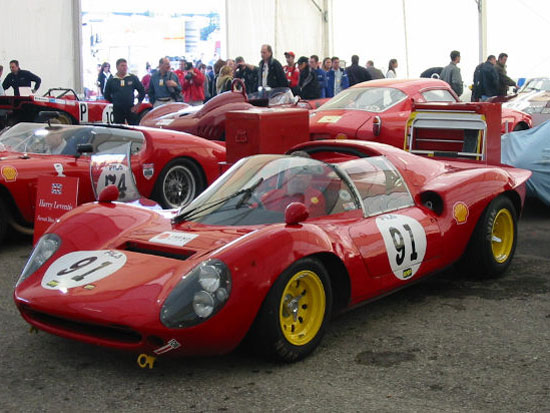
point(175, 238)
point(314, 200)
point(81, 269)
point(172, 345)
point(405, 242)
point(40, 99)
point(57, 188)
point(460, 212)
point(9, 173)
point(329, 119)
point(344, 194)
point(148, 170)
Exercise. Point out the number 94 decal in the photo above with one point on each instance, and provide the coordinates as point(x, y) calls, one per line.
point(81, 268)
point(405, 242)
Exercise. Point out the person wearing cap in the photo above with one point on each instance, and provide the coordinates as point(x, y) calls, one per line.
point(270, 71)
point(308, 85)
point(291, 71)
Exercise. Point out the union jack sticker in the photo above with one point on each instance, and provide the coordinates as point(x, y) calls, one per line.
point(172, 345)
point(57, 189)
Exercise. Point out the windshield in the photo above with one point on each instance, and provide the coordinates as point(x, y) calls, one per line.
point(371, 99)
point(275, 96)
point(39, 138)
point(540, 85)
point(258, 189)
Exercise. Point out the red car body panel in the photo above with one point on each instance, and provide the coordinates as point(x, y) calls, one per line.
point(161, 146)
point(27, 108)
point(209, 121)
point(358, 124)
point(122, 310)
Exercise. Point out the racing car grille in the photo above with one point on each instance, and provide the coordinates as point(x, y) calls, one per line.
point(113, 333)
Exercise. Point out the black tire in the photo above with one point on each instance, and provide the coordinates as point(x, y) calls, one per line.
point(286, 328)
point(494, 240)
point(4, 216)
point(521, 126)
point(179, 183)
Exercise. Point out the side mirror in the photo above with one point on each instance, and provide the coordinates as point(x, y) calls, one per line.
point(109, 194)
point(295, 213)
point(84, 148)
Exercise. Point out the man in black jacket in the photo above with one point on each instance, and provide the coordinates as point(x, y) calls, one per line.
point(356, 73)
point(488, 79)
point(308, 85)
point(20, 78)
point(119, 90)
point(270, 71)
point(248, 73)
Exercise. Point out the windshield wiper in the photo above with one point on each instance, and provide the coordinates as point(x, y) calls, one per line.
point(192, 212)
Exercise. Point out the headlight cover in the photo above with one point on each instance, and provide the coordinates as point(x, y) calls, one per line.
point(44, 249)
point(198, 296)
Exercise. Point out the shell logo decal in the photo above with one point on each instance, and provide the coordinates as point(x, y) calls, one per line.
point(460, 212)
point(9, 173)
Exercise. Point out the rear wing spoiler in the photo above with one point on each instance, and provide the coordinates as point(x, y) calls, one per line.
point(455, 130)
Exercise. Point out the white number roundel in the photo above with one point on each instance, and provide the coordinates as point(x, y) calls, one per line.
point(405, 241)
point(107, 115)
point(81, 268)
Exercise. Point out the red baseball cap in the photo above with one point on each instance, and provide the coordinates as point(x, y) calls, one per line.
point(290, 54)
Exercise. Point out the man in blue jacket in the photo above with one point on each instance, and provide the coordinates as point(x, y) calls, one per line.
point(119, 90)
point(337, 78)
point(321, 76)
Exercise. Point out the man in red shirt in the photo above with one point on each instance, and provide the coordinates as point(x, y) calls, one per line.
point(291, 71)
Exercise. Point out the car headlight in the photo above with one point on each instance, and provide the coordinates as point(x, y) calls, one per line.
point(44, 249)
point(198, 296)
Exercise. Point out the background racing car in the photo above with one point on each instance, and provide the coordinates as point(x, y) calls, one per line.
point(378, 110)
point(71, 110)
point(169, 167)
point(269, 251)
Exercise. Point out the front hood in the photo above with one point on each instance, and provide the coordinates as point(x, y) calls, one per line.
point(528, 99)
point(338, 121)
point(127, 279)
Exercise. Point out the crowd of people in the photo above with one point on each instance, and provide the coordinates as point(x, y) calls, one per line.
point(195, 83)
point(307, 77)
point(490, 77)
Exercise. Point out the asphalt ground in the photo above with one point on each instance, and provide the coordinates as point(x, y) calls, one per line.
point(448, 344)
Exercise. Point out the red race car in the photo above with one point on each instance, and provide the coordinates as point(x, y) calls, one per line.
point(170, 167)
point(71, 110)
point(208, 120)
point(269, 251)
point(378, 110)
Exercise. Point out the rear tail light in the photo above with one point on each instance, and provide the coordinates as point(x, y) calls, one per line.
point(376, 125)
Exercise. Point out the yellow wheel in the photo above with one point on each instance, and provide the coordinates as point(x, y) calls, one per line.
point(493, 241)
point(502, 239)
point(302, 309)
point(295, 313)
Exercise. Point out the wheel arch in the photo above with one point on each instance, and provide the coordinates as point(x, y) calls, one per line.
point(339, 279)
point(516, 200)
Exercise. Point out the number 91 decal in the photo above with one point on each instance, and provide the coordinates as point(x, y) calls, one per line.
point(405, 242)
point(81, 268)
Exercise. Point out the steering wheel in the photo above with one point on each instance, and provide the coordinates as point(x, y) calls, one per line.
point(237, 85)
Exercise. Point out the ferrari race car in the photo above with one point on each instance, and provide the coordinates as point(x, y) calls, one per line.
point(269, 251)
point(168, 166)
point(378, 110)
point(208, 120)
point(71, 110)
